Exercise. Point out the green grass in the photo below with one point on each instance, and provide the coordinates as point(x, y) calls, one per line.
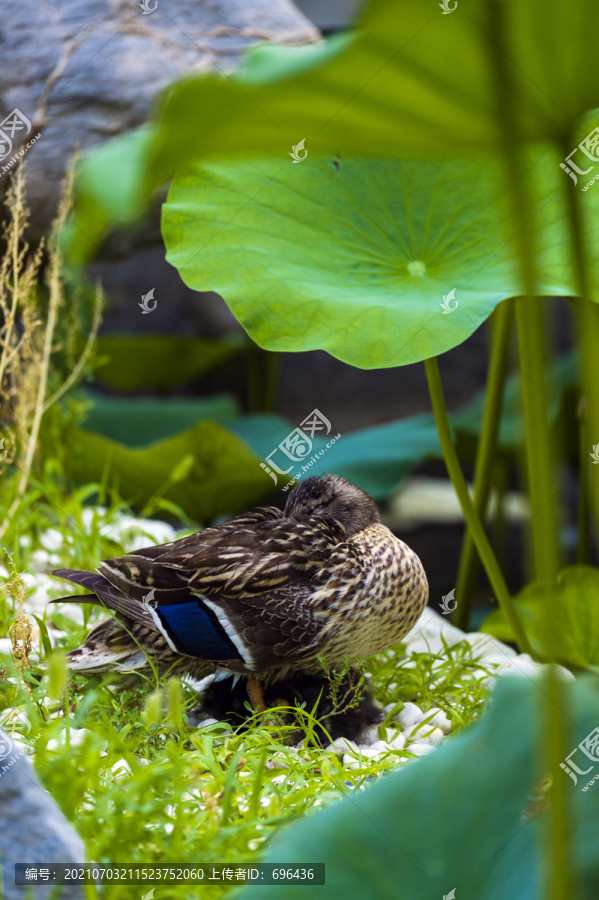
point(140, 785)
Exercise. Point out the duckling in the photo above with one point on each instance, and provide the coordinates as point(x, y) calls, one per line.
point(263, 596)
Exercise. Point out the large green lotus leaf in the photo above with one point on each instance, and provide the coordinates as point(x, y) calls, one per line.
point(142, 420)
point(453, 820)
point(206, 470)
point(356, 256)
point(157, 362)
point(377, 459)
point(410, 80)
point(574, 603)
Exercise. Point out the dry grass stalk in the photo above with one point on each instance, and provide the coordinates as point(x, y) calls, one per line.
point(26, 341)
point(20, 630)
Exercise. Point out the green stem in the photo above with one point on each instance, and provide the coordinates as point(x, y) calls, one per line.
point(560, 880)
point(271, 380)
point(254, 398)
point(473, 522)
point(528, 313)
point(583, 550)
point(262, 379)
point(529, 318)
point(559, 883)
point(588, 327)
point(503, 321)
point(501, 477)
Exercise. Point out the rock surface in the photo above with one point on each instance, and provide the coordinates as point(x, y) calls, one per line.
point(82, 72)
point(32, 828)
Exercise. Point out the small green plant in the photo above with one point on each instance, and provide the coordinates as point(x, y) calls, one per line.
point(346, 686)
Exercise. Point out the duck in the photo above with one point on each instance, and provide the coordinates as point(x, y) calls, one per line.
point(264, 596)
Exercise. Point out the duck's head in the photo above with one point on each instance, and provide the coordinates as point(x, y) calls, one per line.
point(335, 498)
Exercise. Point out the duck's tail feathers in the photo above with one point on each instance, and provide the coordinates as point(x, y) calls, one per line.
point(105, 595)
point(108, 648)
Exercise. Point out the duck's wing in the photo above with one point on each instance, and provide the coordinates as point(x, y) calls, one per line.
point(275, 629)
point(243, 557)
point(236, 594)
point(250, 585)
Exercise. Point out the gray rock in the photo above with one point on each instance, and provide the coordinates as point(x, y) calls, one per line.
point(81, 72)
point(32, 828)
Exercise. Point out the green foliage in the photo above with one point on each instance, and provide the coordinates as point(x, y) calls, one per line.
point(447, 822)
point(562, 376)
point(572, 635)
point(140, 785)
point(157, 362)
point(377, 459)
point(355, 256)
point(205, 470)
point(136, 421)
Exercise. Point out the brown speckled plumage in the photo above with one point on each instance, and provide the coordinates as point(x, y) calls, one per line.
point(278, 589)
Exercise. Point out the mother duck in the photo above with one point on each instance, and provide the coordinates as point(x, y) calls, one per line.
point(261, 596)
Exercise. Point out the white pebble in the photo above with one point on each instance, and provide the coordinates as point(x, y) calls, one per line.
point(421, 749)
point(435, 737)
point(342, 745)
point(564, 674)
point(410, 715)
point(369, 752)
point(52, 539)
point(76, 737)
point(439, 719)
point(277, 762)
point(370, 735)
point(496, 659)
point(380, 747)
point(425, 645)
